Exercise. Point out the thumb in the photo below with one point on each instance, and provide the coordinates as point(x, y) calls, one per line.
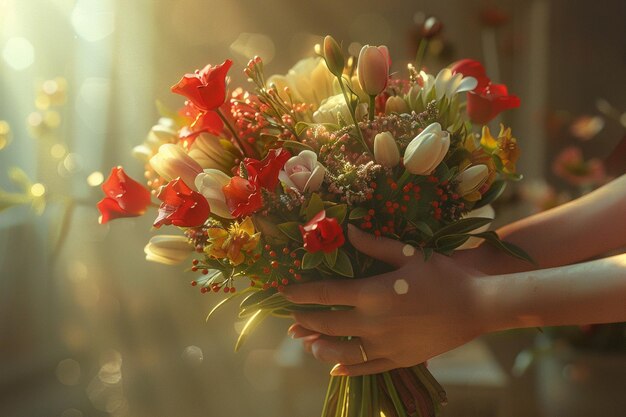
point(392, 252)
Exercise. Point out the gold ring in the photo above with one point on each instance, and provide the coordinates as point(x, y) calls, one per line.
point(363, 354)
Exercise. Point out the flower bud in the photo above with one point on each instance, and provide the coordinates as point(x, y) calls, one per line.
point(172, 162)
point(373, 69)
point(396, 104)
point(333, 55)
point(210, 184)
point(386, 150)
point(472, 179)
point(168, 249)
point(426, 151)
point(303, 172)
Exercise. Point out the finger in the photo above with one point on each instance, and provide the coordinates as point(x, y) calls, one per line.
point(390, 251)
point(374, 366)
point(331, 323)
point(334, 350)
point(296, 331)
point(328, 292)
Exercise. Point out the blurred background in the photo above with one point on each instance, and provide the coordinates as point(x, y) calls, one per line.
point(88, 327)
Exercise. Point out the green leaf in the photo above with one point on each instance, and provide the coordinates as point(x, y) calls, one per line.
point(257, 297)
point(450, 242)
point(302, 126)
point(513, 250)
point(311, 260)
point(223, 302)
point(296, 146)
point(252, 322)
point(422, 227)
point(291, 230)
point(331, 258)
point(428, 252)
point(338, 212)
point(495, 191)
point(343, 266)
point(316, 204)
point(357, 213)
point(462, 226)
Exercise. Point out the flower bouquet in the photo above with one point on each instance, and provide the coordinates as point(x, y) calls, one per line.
point(263, 184)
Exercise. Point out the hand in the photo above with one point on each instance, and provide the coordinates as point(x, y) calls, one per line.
point(401, 318)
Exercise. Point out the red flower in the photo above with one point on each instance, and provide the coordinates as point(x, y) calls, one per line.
point(125, 197)
point(181, 206)
point(206, 88)
point(266, 171)
point(199, 122)
point(243, 197)
point(322, 233)
point(484, 105)
point(487, 100)
point(472, 68)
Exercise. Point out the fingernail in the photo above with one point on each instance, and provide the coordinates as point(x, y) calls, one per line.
point(338, 370)
point(292, 334)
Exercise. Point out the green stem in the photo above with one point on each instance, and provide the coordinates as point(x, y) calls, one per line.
point(63, 230)
point(232, 130)
point(393, 394)
point(353, 115)
point(421, 52)
point(332, 389)
point(372, 109)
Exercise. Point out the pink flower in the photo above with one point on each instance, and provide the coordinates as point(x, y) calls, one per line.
point(570, 166)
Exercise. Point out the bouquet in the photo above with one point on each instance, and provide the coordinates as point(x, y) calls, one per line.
point(263, 184)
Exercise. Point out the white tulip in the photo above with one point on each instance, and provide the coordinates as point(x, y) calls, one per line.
point(426, 151)
point(160, 134)
point(386, 150)
point(210, 184)
point(303, 172)
point(172, 162)
point(330, 109)
point(168, 249)
point(309, 81)
point(472, 179)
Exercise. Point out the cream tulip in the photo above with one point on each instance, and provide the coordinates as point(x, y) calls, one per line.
point(331, 109)
point(303, 172)
point(373, 69)
point(172, 162)
point(309, 81)
point(386, 150)
point(426, 151)
point(210, 151)
point(161, 133)
point(396, 104)
point(210, 184)
point(472, 179)
point(168, 249)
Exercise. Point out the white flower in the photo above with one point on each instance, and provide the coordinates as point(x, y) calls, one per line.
point(472, 179)
point(386, 150)
point(303, 172)
point(426, 151)
point(168, 249)
point(309, 81)
point(330, 109)
point(444, 85)
point(213, 152)
point(172, 162)
point(210, 184)
point(161, 133)
point(484, 211)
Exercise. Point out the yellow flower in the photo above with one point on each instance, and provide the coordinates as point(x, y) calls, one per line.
point(505, 147)
point(240, 239)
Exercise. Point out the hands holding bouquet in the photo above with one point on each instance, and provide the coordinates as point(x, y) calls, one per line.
point(264, 185)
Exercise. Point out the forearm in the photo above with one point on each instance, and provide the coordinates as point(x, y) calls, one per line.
point(586, 293)
point(581, 229)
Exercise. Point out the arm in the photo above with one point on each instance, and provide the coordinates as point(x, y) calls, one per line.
point(423, 309)
point(581, 229)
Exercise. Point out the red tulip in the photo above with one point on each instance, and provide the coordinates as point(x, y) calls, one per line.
point(181, 206)
point(472, 68)
point(322, 233)
point(125, 197)
point(206, 88)
point(484, 105)
point(266, 171)
point(487, 100)
point(243, 197)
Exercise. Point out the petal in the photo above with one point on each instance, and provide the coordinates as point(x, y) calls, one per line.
point(316, 178)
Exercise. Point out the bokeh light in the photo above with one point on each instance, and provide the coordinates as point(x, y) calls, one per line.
point(18, 53)
point(93, 20)
point(68, 372)
point(95, 179)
